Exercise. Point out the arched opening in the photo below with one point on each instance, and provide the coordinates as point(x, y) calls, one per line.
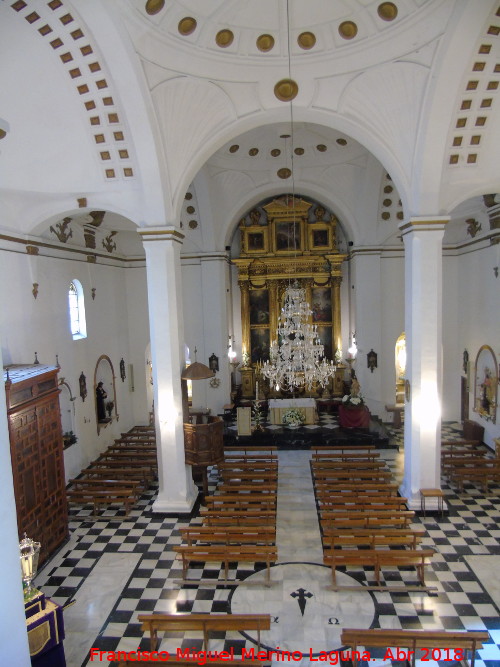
point(76, 302)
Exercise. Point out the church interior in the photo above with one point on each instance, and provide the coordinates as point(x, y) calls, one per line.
point(178, 180)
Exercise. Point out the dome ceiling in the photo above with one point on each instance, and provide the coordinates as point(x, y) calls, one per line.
point(259, 29)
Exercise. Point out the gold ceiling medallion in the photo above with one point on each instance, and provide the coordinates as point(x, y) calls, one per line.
point(275, 152)
point(234, 148)
point(306, 40)
point(224, 38)
point(265, 42)
point(188, 195)
point(193, 224)
point(387, 11)
point(187, 25)
point(299, 151)
point(321, 148)
point(341, 142)
point(284, 173)
point(253, 151)
point(286, 90)
point(190, 209)
point(154, 6)
point(3, 133)
point(348, 29)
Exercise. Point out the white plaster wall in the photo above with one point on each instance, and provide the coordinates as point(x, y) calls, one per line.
point(452, 354)
point(42, 325)
point(392, 322)
point(478, 297)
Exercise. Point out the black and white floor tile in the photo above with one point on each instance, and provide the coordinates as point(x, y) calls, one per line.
point(115, 567)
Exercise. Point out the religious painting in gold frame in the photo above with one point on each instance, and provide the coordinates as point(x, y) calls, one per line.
point(326, 338)
point(259, 306)
point(319, 236)
point(255, 240)
point(321, 304)
point(288, 236)
point(259, 344)
point(486, 384)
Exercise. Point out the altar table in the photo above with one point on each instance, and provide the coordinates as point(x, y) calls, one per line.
point(354, 417)
point(278, 406)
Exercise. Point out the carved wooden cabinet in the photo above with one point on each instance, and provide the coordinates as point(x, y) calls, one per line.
point(37, 454)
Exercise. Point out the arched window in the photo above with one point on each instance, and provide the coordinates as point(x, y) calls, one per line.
point(77, 310)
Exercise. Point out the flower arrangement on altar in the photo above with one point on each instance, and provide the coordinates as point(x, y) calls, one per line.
point(293, 417)
point(350, 401)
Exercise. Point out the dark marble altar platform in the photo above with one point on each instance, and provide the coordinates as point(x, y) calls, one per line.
point(327, 432)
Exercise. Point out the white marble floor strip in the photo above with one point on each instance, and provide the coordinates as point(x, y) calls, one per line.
point(94, 601)
point(297, 529)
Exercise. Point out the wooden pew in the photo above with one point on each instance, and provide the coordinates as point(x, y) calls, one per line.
point(231, 518)
point(319, 449)
point(248, 458)
point(241, 502)
point(355, 503)
point(354, 464)
point(446, 640)
point(143, 475)
point(346, 456)
point(113, 464)
point(385, 488)
point(484, 474)
point(227, 553)
point(229, 535)
point(244, 466)
point(104, 495)
point(366, 519)
point(371, 537)
point(232, 476)
point(203, 623)
point(378, 559)
point(241, 487)
point(250, 449)
point(350, 474)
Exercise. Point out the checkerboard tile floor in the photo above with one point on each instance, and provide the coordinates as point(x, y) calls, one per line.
point(470, 527)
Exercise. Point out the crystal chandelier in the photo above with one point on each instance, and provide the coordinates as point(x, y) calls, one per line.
point(297, 356)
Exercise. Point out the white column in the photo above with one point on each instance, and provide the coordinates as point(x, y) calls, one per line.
point(177, 492)
point(13, 634)
point(423, 327)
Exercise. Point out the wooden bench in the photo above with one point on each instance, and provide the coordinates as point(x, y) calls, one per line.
point(252, 449)
point(371, 537)
point(241, 487)
point(378, 559)
point(361, 502)
point(203, 623)
point(353, 464)
point(232, 476)
point(346, 456)
point(385, 488)
point(231, 518)
point(109, 496)
point(366, 518)
point(364, 475)
point(413, 640)
point(113, 464)
point(248, 458)
point(227, 553)
point(248, 466)
point(484, 475)
point(319, 449)
point(229, 535)
point(240, 502)
point(143, 475)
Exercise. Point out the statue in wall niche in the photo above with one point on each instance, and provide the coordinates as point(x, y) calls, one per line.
point(101, 395)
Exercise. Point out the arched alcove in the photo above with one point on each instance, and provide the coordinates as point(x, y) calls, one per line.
point(105, 404)
point(67, 408)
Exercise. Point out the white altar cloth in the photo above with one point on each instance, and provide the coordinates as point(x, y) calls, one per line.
point(278, 406)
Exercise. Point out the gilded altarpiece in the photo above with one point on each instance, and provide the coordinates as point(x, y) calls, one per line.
point(287, 240)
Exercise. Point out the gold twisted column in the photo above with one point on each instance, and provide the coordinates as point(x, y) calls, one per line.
point(245, 320)
point(337, 323)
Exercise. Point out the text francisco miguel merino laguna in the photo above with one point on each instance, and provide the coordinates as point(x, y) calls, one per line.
point(206, 657)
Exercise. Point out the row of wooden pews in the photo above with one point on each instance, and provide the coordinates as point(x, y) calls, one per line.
point(120, 475)
point(239, 519)
point(363, 520)
point(471, 461)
